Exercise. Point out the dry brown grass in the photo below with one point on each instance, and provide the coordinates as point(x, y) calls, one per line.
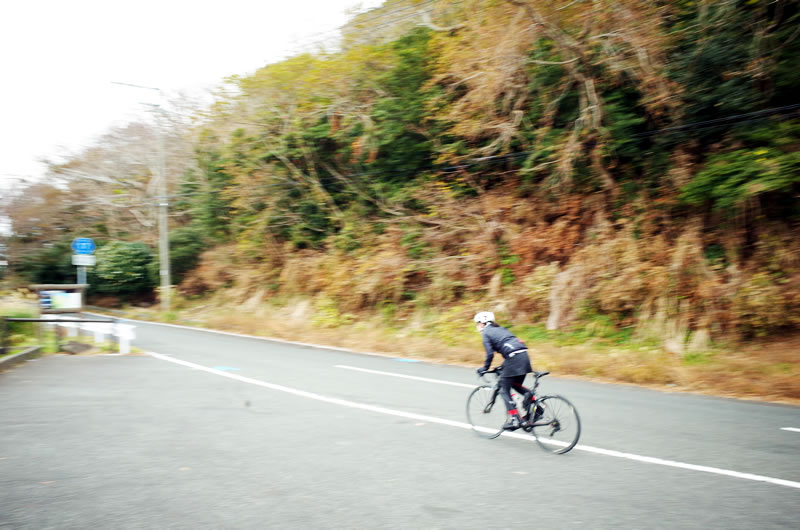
point(767, 371)
point(297, 324)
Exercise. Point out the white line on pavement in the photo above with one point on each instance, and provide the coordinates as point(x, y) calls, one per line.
point(462, 425)
point(244, 336)
point(403, 376)
point(790, 429)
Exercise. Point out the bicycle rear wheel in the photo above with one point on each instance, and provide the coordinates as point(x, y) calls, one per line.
point(559, 427)
point(486, 412)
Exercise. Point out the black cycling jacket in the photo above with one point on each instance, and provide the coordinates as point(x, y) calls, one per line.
point(499, 339)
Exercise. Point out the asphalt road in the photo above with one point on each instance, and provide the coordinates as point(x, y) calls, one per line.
point(221, 431)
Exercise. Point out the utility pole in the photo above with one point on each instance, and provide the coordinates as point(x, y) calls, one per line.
point(163, 221)
point(163, 205)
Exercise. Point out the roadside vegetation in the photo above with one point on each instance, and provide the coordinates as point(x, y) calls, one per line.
point(22, 335)
point(618, 180)
point(764, 369)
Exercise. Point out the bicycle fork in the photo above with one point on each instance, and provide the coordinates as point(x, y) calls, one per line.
point(488, 408)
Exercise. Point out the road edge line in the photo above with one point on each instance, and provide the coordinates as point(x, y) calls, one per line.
point(453, 423)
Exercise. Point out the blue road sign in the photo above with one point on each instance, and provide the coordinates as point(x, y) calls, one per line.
point(83, 245)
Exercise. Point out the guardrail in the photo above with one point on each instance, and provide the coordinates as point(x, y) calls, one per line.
point(121, 333)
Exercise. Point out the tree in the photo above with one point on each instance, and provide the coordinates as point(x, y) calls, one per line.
point(122, 268)
point(185, 246)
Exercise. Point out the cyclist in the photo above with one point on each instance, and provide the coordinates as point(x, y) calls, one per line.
point(516, 366)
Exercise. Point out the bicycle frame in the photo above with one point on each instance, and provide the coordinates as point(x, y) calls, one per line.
point(550, 418)
point(496, 391)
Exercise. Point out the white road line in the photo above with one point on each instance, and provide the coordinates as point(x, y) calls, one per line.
point(244, 336)
point(790, 429)
point(403, 376)
point(311, 395)
point(462, 425)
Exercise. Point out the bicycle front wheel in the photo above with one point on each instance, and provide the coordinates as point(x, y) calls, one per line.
point(485, 412)
point(559, 427)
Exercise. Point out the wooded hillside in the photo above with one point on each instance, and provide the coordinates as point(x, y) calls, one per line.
point(618, 166)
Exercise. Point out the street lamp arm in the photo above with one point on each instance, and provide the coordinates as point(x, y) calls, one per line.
point(163, 214)
point(137, 86)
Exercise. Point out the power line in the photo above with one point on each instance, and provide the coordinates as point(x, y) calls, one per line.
point(728, 120)
point(471, 162)
point(782, 112)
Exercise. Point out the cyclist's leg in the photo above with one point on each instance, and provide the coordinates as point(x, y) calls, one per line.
point(505, 393)
point(516, 384)
point(514, 422)
point(529, 401)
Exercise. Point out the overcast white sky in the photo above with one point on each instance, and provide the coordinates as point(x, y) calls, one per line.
point(59, 58)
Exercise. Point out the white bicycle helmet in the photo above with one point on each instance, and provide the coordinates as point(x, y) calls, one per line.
point(484, 317)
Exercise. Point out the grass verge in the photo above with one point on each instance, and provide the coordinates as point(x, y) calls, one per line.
point(766, 371)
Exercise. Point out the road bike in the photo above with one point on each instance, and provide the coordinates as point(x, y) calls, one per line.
point(552, 420)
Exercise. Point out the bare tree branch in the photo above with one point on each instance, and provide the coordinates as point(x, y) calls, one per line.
point(426, 21)
point(566, 6)
point(537, 61)
point(359, 192)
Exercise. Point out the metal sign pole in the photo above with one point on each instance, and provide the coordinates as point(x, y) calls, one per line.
point(84, 248)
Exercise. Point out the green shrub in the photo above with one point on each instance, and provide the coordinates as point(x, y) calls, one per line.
point(327, 314)
point(185, 246)
point(18, 331)
point(51, 264)
point(507, 274)
point(696, 358)
point(728, 180)
point(602, 326)
point(388, 310)
point(455, 327)
point(122, 268)
point(532, 333)
point(416, 247)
